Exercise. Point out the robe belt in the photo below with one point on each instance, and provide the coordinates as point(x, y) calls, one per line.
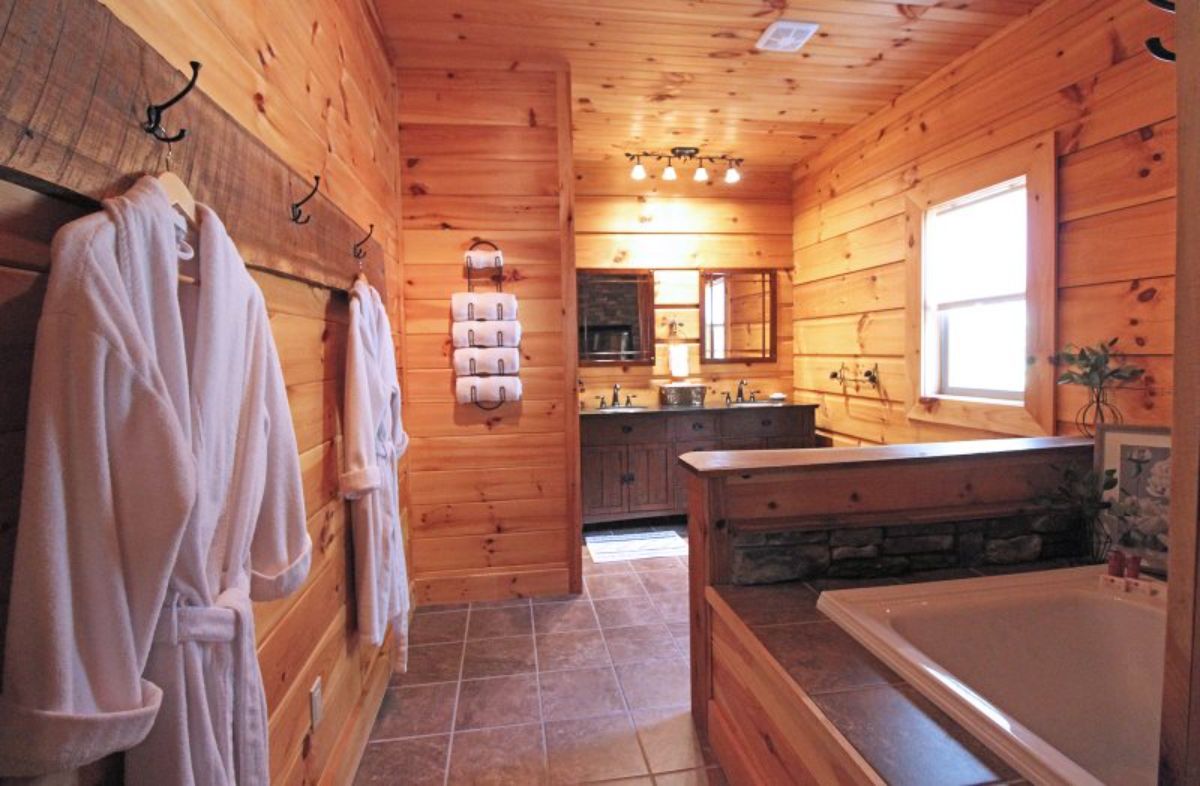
point(229, 619)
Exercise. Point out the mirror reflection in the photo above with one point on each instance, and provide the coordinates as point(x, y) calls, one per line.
point(616, 317)
point(738, 315)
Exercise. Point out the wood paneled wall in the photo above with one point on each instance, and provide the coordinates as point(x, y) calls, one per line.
point(310, 78)
point(486, 154)
point(1076, 67)
point(676, 228)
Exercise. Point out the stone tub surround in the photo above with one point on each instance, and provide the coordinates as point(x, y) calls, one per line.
point(866, 552)
point(901, 735)
point(562, 690)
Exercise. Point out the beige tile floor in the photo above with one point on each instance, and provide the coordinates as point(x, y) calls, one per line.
point(587, 689)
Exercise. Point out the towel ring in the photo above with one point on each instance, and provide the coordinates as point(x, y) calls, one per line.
point(498, 280)
point(495, 405)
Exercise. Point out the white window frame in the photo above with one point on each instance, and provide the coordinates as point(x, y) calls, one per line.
point(1031, 413)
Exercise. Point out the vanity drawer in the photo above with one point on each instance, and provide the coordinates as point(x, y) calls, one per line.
point(694, 425)
point(622, 429)
point(765, 422)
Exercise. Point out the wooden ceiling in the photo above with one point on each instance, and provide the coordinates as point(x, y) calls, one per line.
point(659, 73)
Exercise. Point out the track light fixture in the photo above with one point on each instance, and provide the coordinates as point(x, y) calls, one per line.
point(638, 172)
point(733, 165)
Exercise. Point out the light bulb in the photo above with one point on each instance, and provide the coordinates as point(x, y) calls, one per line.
point(669, 173)
point(638, 172)
point(732, 175)
point(701, 175)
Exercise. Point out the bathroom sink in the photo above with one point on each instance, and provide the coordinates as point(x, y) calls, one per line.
point(754, 404)
point(619, 410)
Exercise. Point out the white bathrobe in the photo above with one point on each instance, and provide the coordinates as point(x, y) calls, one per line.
point(161, 495)
point(374, 441)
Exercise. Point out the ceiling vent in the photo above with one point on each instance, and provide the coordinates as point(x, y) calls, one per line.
point(785, 36)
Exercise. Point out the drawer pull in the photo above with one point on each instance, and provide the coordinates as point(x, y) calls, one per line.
point(626, 429)
point(697, 427)
point(766, 423)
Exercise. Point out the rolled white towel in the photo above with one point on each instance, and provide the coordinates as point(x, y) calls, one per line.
point(488, 390)
point(467, 306)
point(478, 258)
point(677, 360)
point(496, 360)
point(486, 334)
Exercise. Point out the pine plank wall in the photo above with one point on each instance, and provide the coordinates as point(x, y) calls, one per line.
point(674, 229)
point(1077, 67)
point(312, 81)
point(486, 154)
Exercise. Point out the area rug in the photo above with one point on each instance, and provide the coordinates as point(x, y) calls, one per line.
point(613, 547)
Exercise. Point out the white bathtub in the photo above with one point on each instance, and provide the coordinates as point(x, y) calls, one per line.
point(1059, 676)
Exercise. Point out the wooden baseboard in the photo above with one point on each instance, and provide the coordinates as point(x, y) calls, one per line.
point(352, 743)
point(460, 587)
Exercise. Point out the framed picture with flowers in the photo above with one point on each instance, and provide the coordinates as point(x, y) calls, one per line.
point(1139, 504)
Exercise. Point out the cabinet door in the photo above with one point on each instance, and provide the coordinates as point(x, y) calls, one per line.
point(602, 480)
point(649, 478)
point(680, 475)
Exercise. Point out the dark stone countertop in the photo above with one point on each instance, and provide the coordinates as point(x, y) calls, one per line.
point(708, 407)
point(900, 733)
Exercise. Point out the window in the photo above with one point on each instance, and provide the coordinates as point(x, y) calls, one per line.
point(981, 292)
point(975, 257)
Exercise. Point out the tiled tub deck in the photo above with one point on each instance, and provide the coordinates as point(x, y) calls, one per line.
point(777, 630)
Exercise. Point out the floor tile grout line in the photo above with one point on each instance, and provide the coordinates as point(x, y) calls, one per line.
point(462, 659)
point(537, 678)
point(625, 702)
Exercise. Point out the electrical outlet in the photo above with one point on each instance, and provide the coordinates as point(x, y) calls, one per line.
point(314, 703)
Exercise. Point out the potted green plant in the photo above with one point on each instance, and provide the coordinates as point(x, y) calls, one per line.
point(1098, 368)
point(1081, 493)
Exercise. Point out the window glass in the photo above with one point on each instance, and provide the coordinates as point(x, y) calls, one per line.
point(974, 260)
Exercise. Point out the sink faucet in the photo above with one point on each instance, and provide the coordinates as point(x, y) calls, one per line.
point(616, 397)
point(741, 392)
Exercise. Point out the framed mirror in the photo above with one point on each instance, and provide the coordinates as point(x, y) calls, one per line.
point(737, 316)
point(616, 317)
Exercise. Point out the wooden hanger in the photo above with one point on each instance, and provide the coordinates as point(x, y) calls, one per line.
point(181, 197)
point(178, 194)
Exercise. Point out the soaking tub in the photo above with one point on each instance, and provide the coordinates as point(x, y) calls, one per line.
point(1056, 671)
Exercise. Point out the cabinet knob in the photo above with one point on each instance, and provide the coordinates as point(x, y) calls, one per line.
point(766, 423)
point(697, 426)
point(626, 429)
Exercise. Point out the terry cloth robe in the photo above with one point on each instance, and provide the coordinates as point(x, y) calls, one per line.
point(374, 440)
point(161, 495)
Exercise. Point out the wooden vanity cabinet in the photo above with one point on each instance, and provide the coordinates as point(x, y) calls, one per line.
point(629, 462)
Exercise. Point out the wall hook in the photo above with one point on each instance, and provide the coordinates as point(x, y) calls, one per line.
point(1156, 47)
point(297, 214)
point(154, 112)
point(359, 253)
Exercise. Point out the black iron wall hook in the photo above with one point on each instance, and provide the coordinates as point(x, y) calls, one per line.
point(1155, 44)
point(359, 253)
point(154, 112)
point(1159, 50)
point(298, 214)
